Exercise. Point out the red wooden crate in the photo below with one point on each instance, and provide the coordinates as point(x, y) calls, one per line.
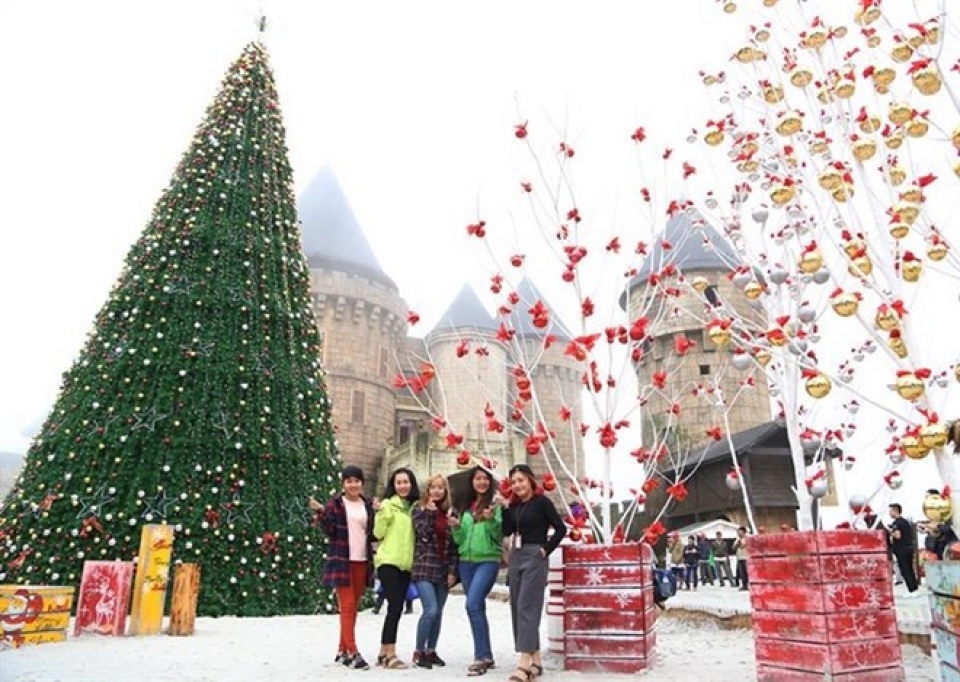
point(812, 542)
point(611, 575)
point(593, 621)
point(843, 657)
point(820, 569)
point(603, 653)
point(767, 673)
point(632, 599)
point(823, 628)
point(821, 598)
point(628, 552)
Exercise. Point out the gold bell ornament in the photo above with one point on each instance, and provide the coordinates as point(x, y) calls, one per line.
point(762, 356)
point(845, 303)
point(772, 94)
point(911, 267)
point(897, 344)
point(811, 260)
point(937, 508)
point(782, 192)
point(869, 123)
point(888, 316)
point(909, 385)
point(896, 174)
point(902, 50)
point(753, 290)
point(937, 249)
point(899, 113)
point(789, 123)
point(817, 384)
point(911, 446)
point(933, 435)
point(830, 178)
point(908, 211)
point(893, 139)
point(718, 331)
point(925, 76)
point(955, 137)
point(882, 77)
point(863, 148)
point(898, 228)
point(912, 194)
point(800, 77)
point(866, 14)
point(700, 283)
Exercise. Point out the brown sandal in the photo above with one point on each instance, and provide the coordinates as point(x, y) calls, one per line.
point(520, 675)
point(537, 669)
point(394, 663)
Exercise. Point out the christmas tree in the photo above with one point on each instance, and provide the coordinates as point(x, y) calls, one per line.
point(198, 399)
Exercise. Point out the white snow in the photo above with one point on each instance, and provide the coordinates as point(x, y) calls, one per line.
point(302, 648)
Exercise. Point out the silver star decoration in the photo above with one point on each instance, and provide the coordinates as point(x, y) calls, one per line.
point(159, 505)
point(148, 420)
point(238, 509)
point(101, 498)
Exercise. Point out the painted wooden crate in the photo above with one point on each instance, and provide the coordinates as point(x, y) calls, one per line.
point(609, 614)
point(943, 582)
point(823, 607)
point(34, 614)
point(104, 600)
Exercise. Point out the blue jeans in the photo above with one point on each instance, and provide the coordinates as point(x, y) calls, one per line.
point(432, 598)
point(478, 579)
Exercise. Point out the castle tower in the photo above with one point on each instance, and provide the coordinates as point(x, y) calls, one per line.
point(696, 250)
point(362, 319)
point(472, 370)
point(557, 382)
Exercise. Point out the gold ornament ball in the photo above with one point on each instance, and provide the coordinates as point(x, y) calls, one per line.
point(937, 252)
point(897, 175)
point(898, 346)
point(714, 137)
point(893, 140)
point(811, 261)
point(830, 179)
point(913, 448)
point(887, 319)
point(909, 386)
point(917, 128)
point(719, 335)
point(763, 358)
point(937, 508)
point(899, 229)
point(700, 283)
point(913, 194)
point(782, 194)
point(862, 265)
point(927, 81)
point(753, 290)
point(908, 211)
point(818, 386)
point(933, 435)
point(911, 270)
point(845, 304)
point(864, 149)
point(901, 52)
point(899, 113)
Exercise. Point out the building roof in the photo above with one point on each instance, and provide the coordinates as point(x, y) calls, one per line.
point(769, 438)
point(332, 237)
point(692, 247)
point(466, 312)
point(522, 320)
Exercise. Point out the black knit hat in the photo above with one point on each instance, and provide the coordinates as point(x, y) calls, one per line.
point(351, 471)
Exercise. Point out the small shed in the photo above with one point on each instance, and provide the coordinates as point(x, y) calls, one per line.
point(728, 529)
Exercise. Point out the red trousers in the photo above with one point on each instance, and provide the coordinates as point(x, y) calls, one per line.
point(348, 600)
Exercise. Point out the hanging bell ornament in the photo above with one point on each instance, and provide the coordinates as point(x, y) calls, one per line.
point(772, 94)
point(733, 481)
point(887, 318)
point(862, 265)
point(927, 80)
point(937, 251)
point(818, 488)
point(700, 283)
point(762, 357)
point(718, 335)
point(913, 448)
point(782, 193)
point(866, 15)
point(933, 435)
point(937, 508)
point(857, 503)
point(894, 140)
point(864, 149)
point(899, 229)
point(845, 304)
point(753, 290)
point(909, 386)
point(811, 261)
point(818, 385)
point(911, 269)
point(899, 113)
point(897, 344)
point(916, 127)
point(897, 175)
point(830, 179)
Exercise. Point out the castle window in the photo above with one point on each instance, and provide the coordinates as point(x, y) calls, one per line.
point(712, 295)
point(704, 370)
point(384, 362)
point(358, 407)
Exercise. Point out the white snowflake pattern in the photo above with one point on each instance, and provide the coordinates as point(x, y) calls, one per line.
point(594, 576)
point(622, 600)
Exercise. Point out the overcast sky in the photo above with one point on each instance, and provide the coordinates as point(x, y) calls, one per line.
point(412, 104)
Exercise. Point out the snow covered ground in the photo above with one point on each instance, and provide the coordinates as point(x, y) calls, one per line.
point(302, 648)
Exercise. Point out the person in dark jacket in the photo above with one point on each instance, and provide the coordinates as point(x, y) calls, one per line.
point(903, 545)
point(347, 520)
point(691, 559)
point(529, 517)
point(434, 565)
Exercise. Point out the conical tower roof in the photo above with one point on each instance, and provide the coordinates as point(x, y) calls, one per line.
point(522, 320)
point(332, 237)
point(692, 247)
point(466, 312)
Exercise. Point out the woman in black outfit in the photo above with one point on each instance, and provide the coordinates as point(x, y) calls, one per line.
point(529, 517)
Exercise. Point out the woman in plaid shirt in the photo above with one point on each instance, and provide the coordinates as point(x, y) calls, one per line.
point(434, 565)
point(347, 520)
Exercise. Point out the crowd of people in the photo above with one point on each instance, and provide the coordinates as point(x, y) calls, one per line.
point(705, 561)
point(425, 541)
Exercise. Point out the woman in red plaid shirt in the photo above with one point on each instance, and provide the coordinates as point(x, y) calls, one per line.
point(434, 565)
point(347, 520)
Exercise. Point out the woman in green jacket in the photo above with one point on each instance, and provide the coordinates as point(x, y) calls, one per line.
point(393, 528)
point(479, 541)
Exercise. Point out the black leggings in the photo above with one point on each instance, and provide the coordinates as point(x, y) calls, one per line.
point(395, 584)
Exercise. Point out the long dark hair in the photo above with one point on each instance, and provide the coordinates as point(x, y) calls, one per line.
point(392, 488)
point(482, 501)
